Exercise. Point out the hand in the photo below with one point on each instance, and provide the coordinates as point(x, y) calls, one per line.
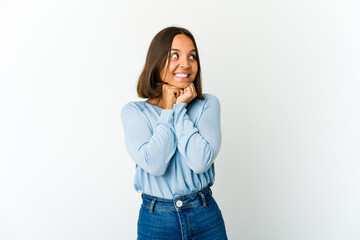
point(187, 95)
point(169, 95)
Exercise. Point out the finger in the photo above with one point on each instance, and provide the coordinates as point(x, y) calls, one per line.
point(170, 88)
point(164, 86)
point(192, 86)
point(192, 90)
point(174, 89)
point(188, 89)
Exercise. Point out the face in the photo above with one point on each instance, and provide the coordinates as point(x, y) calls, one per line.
point(181, 68)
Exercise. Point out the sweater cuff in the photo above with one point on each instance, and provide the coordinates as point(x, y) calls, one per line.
point(179, 107)
point(167, 118)
point(184, 127)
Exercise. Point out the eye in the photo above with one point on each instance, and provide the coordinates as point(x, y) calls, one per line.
point(174, 55)
point(193, 57)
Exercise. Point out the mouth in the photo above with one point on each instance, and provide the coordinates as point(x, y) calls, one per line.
point(182, 76)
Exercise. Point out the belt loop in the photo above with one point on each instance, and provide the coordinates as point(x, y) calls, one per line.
point(152, 205)
point(203, 199)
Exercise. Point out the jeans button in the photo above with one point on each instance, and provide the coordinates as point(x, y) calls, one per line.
point(179, 203)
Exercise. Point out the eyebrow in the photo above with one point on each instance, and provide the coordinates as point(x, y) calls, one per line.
point(174, 49)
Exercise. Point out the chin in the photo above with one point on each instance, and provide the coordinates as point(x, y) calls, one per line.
point(180, 84)
point(183, 85)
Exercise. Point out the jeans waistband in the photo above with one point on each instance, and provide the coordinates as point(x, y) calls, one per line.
point(185, 201)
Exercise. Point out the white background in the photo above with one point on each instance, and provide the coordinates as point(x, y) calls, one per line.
point(287, 75)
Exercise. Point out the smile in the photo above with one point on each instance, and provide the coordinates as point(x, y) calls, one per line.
point(181, 75)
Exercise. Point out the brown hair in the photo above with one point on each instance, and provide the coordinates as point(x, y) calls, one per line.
point(150, 84)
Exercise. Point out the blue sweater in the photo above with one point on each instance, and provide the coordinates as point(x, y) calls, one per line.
point(174, 149)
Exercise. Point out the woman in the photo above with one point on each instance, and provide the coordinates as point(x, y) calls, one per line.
point(174, 137)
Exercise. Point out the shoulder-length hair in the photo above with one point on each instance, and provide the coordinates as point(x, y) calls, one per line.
point(150, 83)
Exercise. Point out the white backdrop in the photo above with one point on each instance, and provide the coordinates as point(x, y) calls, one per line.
point(286, 73)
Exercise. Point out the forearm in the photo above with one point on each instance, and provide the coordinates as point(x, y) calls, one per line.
point(151, 149)
point(199, 145)
point(154, 156)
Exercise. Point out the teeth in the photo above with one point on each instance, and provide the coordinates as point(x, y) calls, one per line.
point(181, 75)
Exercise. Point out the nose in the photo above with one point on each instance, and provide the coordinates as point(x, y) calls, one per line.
point(184, 63)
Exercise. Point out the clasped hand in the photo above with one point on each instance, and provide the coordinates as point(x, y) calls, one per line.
point(172, 95)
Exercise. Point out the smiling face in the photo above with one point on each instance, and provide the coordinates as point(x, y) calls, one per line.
point(181, 67)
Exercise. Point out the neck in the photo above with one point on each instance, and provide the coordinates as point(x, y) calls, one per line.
point(156, 101)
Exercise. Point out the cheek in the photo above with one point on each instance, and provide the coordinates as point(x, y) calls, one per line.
point(167, 76)
point(195, 69)
point(172, 67)
point(165, 73)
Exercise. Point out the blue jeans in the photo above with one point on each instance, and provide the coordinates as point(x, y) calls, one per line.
point(193, 216)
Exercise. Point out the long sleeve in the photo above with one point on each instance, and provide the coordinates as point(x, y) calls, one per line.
point(151, 149)
point(199, 145)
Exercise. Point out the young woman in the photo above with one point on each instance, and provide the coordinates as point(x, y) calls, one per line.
point(174, 137)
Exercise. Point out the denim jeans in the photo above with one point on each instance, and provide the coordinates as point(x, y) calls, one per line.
point(193, 216)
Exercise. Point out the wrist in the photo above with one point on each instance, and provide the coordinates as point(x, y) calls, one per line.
point(169, 106)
